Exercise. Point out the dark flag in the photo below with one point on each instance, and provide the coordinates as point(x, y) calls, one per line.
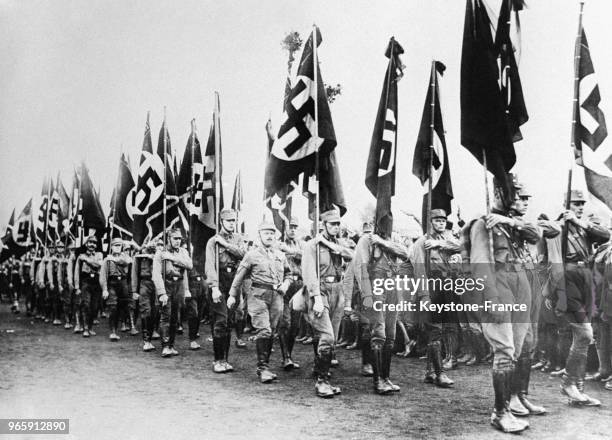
point(441, 187)
point(492, 103)
point(92, 219)
point(237, 201)
point(43, 212)
point(380, 168)
point(23, 229)
point(212, 173)
point(8, 245)
point(591, 150)
point(149, 187)
point(303, 136)
point(54, 212)
point(63, 212)
point(122, 202)
point(74, 217)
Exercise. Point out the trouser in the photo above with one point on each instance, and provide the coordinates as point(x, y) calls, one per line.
point(604, 344)
point(582, 337)
point(117, 302)
point(169, 313)
point(28, 293)
point(382, 321)
point(289, 320)
point(265, 309)
point(67, 302)
point(322, 328)
point(148, 307)
point(54, 302)
point(194, 305)
point(91, 297)
point(334, 295)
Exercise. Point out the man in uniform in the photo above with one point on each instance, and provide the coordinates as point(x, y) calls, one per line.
point(143, 289)
point(113, 281)
point(86, 281)
point(226, 249)
point(326, 298)
point(289, 321)
point(573, 296)
point(170, 279)
point(501, 267)
point(25, 269)
point(14, 283)
point(441, 245)
point(65, 273)
point(270, 276)
point(37, 301)
point(47, 281)
point(379, 259)
point(194, 305)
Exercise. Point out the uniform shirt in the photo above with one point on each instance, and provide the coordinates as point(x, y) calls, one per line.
point(34, 268)
point(438, 257)
point(226, 257)
point(114, 267)
point(65, 272)
point(293, 251)
point(25, 266)
point(85, 266)
point(142, 268)
point(580, 241)
point(504, 238)
point(172, 268)
point(44, 274)
point(330, 264)
point(263, 265)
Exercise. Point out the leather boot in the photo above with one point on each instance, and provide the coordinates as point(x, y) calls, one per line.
point(502, 418)
point(429, 374)
point(282, 341)
point(441, 379)
point(479, 348)
point(345, 334)
point(523, 366)
point(219, 352)
point(263, 354)
point(268, 353)
point(386, 369)
point(146, 337)
point(467, 351)
point(226, 347)
point(569, 389)
point(380, 387)
point(590, 401)
point(322, 386)
point(450, 361)
point(77, 326)
point(239, 327)
point(133, 329)
point(515, 405)
point(366, 359)
point(355, 331)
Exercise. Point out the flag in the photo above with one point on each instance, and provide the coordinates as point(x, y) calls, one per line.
point(294, 150)
point(23, 232)
point(380, 168)
point(92, 219)
point(237, 202)
point(63, 212)
point(122, 203)
point(212, 173)
point(43, 212)
point(74, 217)
point(441, 187)
point(492, 103)
point(592, 148)
point(8, 245)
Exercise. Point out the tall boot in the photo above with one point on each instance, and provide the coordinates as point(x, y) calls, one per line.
point(239, 327)
point(354, 343)
point(523, 367)
point(288, 363)
point(467, 352)
point(429, 373)
point(380, 387)
point(366, 358)
point(316, 363)
point(113, 322)
point(290, 343)
point(450, 360)
point(226, 347)
point(590, 401)
point(502, 418)
point(516, 385)
point(77, 323)
point(219, 353)
point(386, 368)
point(441, 379)
point(345, 332)
point(133, 329)
point(479, 347)
point(263, 354)
point(322, 386)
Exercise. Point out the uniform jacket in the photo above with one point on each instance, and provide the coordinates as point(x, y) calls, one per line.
point(226, 257)
point(86, 264)
point(263, 265)
point(172, 269)
point(113, 267)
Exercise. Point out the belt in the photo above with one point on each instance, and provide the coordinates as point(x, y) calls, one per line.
point(176, 278)
point(229, 269)
point(510, 267)
point(116, 277)
point(145, 277)
point(576, 264)
point(265, 286)
point(195, 278)
point(297, 278)
point(89, 275)
point(331, 279)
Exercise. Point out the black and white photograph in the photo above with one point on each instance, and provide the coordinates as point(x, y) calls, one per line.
point(313, 220)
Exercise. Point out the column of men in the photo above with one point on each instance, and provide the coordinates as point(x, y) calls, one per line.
point(280, 282)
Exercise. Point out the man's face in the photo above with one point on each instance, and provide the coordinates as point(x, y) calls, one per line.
point(175, 241)
point(291, 232)
point(229, 225)
point(60, 250)
point(332, 228)
point(439, 224)
point(267, 237)
point(116, 248)
point(577, 208)
point(91, 246)
point(522, 204)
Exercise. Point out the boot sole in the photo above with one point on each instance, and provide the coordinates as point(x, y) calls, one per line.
point(499, 428)
point(325, 396)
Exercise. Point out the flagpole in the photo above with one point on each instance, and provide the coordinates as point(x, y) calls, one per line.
point(80, 205)
point(70, 202)
point(316, 136)
point(488, 202)
point(568, 195)
point(432, 134)
point(217, 141)
point(191, 187)
point(46, 223)
point(165, 166)
point(112, 223)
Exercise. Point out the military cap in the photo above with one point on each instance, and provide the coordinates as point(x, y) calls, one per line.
point(59, 243)
point(116, 240)
point(367, 227)
point(294, 221)
point(92, 239)
point(333, 215)
point(228, 214)
point(266, 226)
point(437, 213)
point(577, 195)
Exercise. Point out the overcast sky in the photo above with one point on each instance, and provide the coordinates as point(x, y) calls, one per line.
point(78, 78)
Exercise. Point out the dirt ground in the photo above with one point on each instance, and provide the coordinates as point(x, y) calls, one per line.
point(114, 390)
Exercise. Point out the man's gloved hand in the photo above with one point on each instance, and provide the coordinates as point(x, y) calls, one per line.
point(231, 301)
point(368, 302)
point(216, 295)
point(163, 299)
point(105, 294)
point(135, 296)
point(318, 307)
